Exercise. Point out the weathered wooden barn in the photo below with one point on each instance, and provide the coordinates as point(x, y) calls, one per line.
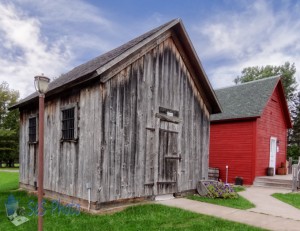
point(250, 134)
point(133, 122)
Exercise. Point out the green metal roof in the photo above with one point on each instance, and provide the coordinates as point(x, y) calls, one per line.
point(245, 100)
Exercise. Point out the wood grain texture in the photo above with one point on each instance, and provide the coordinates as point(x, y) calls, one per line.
point(126, 148)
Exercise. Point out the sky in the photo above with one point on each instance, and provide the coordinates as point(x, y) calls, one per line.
point(54, 36)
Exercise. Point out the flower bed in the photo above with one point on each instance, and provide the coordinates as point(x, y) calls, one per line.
point(215, 189)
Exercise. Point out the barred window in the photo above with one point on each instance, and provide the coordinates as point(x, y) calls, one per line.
point(68, 124)
point(32, 129)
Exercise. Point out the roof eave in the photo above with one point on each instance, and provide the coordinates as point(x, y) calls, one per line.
point(34, 96)
point(285, 105)
point(178, 27)
point(133, 49)
point(235, 119)
point(210, 93)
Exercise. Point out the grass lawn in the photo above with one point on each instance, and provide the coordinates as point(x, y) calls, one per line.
point(141, 217)
point(289, 198)
point(239, 188)
point(237, 203)
point(9, 181)
point(9, 169)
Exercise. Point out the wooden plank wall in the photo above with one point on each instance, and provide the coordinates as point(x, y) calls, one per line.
point(117, 131)
point(160, 78)
point(28, 152)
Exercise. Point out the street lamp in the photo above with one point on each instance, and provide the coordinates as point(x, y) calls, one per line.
point(41, 85)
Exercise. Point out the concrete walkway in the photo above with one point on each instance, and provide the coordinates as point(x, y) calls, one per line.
point(267, 204)
point(8, 170)
point(269, 213)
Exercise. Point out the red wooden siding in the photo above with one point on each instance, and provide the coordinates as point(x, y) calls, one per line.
point(245, 145)
point(271, 124)
point(232, 144)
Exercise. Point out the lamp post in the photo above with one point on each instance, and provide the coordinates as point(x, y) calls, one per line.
point(41, 85)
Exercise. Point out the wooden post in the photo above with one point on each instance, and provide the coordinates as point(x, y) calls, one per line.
point(298, 174)
point(294, 174)
point(290, 165)
point(156, 155)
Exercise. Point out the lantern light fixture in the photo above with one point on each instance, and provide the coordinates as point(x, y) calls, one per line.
point(41, 84)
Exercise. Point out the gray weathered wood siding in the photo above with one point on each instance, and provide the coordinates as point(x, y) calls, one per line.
point(120, 147)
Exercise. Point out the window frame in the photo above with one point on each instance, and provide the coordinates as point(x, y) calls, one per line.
point(30, 118)
point(62, 109)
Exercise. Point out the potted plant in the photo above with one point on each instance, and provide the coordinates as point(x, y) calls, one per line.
point(282, 169)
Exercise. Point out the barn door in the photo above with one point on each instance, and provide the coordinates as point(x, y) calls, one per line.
point(273, 150)
point(168, 158)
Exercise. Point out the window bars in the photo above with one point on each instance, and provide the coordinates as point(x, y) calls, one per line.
point(68, 122)
point(32, 129)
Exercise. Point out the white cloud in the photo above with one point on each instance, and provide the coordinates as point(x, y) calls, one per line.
point(258, 35)
point(84, 25)
point(24, 52)
point(52, 37)
point(49, 37)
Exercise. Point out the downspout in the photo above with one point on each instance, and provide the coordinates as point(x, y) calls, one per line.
point(88, 187)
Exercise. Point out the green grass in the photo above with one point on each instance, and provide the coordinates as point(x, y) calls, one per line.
point(9, 181)
point(239, 188)
point(289, 198)
point(237, 203)
point(9, 169)
point(141, 217)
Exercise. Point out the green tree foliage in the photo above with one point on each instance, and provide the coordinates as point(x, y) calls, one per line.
point(9, 146)
point(293, 151)
point(9, 125)
point(294, 134)
point(287, 71)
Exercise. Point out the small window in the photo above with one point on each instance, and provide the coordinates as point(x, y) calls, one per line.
point(32, 129)
point(68, 124)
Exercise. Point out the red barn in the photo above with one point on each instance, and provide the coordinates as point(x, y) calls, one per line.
point(250, 134)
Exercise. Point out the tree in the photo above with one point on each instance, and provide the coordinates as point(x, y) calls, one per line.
point(294, 134)
point(9, 146)
point(287, 71)
point(9, 125)
point(293, 151)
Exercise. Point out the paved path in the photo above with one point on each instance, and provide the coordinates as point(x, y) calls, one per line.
point(7, 170)
point(267, 204)
point(269, 213)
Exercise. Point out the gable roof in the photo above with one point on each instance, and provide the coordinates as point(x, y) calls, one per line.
point(248, 100)
point(95, 67)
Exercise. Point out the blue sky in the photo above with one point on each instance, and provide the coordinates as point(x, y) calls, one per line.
point(53, 36)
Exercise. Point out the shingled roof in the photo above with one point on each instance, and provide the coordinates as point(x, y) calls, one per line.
point(246, 100)
point(95, 67)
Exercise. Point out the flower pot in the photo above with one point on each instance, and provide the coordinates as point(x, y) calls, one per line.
point(270, 171)
point(281, 171)
point(238, 180)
